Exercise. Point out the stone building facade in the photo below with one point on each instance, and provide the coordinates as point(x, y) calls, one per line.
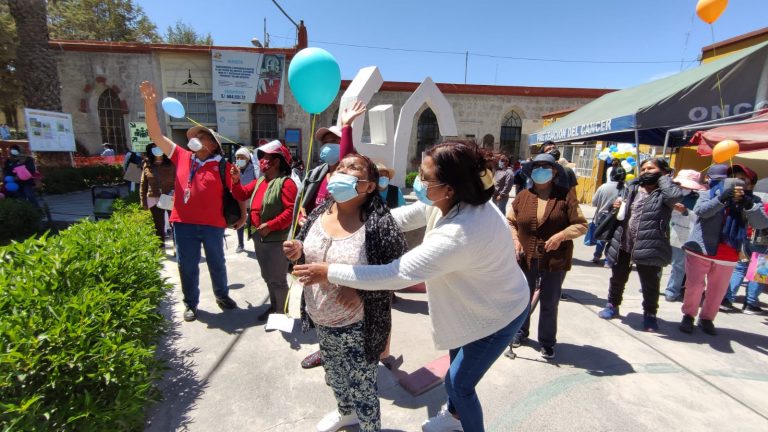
point(100, 89)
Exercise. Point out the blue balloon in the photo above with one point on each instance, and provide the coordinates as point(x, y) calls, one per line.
point(315, 79)
point(11, 187)
point(173, 107)
point(9, 179)
point(631, 160)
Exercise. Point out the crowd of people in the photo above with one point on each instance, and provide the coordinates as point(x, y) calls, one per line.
point(340, 233)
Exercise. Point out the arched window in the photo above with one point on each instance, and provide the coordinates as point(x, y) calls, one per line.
point(111, 120)
point(509, 137)
point(488, 141)
point(263, 123)
point(427, 132)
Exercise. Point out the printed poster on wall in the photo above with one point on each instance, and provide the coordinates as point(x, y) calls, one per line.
point(271, 79)
point(139, 136)
point(232, 122)
point(235, 75)
point(49, 130)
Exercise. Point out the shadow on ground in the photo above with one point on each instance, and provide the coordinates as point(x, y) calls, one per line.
point(593, 360)
point(411, 306)
point(181, 387)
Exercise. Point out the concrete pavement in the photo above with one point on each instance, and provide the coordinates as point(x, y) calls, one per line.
point(229, 374)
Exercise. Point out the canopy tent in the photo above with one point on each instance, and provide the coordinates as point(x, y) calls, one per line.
point(751, 134)
point(646, 112)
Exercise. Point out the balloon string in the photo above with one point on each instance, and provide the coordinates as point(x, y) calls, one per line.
point(295, 223)
point(719, 89)
point(227, 139)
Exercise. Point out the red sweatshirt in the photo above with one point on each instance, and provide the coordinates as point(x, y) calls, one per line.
point(288, 197)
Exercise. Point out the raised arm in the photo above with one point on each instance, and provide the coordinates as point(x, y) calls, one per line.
point(149, 94)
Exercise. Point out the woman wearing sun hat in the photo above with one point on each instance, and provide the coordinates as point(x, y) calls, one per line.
point(389, 193)
point(683, 219)
point(271, 199)
point(198, 205)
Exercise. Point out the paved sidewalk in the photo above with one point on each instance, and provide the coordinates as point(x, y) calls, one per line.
point(228, 374)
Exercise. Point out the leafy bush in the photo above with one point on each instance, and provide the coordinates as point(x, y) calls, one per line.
point(409, 178)
point(63, 180)
point(19, 219)
point(79, 322)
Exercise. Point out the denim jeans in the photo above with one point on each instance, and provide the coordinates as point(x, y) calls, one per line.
point(189, 238)
point(675, 283)
point(468, 365)
point(502, 205)
point(753, 288)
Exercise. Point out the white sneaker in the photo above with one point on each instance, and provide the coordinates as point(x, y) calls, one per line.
point(444, 421)
point(334, 421)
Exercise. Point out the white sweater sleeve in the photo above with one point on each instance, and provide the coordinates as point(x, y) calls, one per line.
point(410, 217)
point(440, 253)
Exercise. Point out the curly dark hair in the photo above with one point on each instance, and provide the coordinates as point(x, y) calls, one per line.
point(460, 165)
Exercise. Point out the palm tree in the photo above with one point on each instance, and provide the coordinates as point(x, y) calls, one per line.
point(36, 66)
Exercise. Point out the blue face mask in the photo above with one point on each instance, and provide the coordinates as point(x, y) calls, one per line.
point(383, 182)
point(541, 175)
point(343, 187)
point(421, 192)
point(156, 152)
point(329, 154)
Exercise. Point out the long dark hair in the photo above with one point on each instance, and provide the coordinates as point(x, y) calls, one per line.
point(460, 165)
point(660, 163)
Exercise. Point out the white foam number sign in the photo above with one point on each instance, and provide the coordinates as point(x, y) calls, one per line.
point(389, 143)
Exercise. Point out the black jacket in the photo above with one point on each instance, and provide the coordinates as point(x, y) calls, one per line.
point(651, 247)
point(384, 243)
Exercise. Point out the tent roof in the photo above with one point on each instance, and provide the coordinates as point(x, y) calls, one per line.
point(615, 116)
point(751, 134)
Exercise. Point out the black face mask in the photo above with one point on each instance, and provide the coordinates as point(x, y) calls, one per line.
point(555, 154)
point(649, 179)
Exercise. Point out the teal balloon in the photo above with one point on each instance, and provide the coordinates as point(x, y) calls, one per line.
point(173, 107)
point(11, 187)
point(315, 79)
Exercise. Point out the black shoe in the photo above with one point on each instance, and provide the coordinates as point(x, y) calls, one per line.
point(518, 340)
point(707, 326)
point(226, 302)
point(727, 306)
point(686, 326)
point(547, 352)
point(752, 309)
point(190, 314)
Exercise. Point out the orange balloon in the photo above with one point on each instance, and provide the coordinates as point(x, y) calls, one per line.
point(710, 10)
point(724, 150)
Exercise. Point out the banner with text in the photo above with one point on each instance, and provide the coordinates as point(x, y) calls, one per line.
point(232, 120)
point(139, 136)
point(235, 75)
point(49, 130)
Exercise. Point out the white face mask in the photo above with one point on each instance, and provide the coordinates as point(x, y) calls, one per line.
point(241, 163)
point(14, 152)
point(195, 145)
point(501, 165)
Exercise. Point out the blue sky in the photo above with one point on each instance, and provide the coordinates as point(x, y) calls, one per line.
point(665, 32)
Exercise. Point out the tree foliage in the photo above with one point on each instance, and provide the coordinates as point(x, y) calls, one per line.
point(103, 20)
point(10, 87)
point(182, 33)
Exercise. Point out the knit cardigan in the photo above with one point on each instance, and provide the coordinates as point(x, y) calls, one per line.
point(475, 286)
point(384, 243)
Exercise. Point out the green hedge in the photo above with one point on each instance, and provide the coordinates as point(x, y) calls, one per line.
point(19, 219)
point(79, 325)
point(409, 178)
point(63, 180)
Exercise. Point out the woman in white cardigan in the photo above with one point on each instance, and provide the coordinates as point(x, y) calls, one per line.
point(478, 296)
